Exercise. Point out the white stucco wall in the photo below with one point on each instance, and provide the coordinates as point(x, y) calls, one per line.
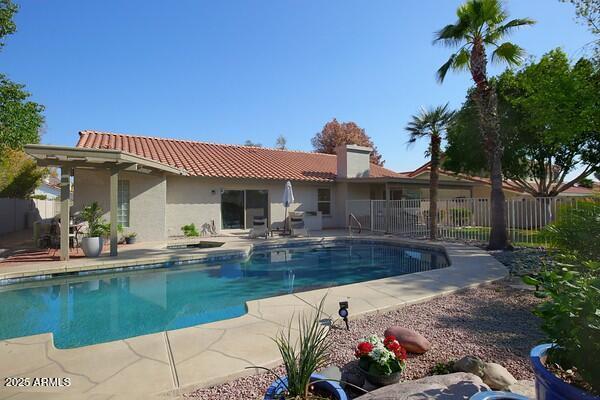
point(198, 200)
point(147, 204)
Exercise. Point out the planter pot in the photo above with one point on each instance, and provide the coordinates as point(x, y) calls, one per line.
point(130, 240)
point(92, 246)
point(276, 390)
point(547, 385)
point(381, 380)
point(493, 395)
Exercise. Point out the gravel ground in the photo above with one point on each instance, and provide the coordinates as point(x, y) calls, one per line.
point(523, 261)
point(493, 322)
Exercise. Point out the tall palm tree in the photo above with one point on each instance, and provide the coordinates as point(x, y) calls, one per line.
point(482, 24)
point(431, 123)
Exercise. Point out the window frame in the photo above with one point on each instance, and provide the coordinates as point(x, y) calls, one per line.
point(124, 214)
point(330, 201)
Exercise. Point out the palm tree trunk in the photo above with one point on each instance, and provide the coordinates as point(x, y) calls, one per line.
point(434, 177)
point(487, 104)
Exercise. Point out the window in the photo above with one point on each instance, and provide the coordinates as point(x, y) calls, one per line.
point(123, 204)
point(324, 201)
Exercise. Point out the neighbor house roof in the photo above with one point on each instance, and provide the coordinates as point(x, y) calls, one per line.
point(226, 161)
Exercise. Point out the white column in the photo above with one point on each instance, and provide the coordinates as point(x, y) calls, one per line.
point(114, 187)
point(65, 197)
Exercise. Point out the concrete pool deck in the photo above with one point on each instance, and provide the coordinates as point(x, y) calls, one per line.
point(178, 361)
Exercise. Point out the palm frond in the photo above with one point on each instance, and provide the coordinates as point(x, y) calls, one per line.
point(462, 60)
point(501, 31)
point(452, 35)
point(429, 121)
point(509, 53)
point(443, 70)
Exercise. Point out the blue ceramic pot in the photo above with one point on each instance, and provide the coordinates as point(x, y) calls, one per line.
point(493, 395)
point(547, 385)
point(274, 392)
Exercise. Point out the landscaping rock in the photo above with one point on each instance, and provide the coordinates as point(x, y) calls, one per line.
point(497, 377)
point(412, 341)
point(459, 385)
point(331, 372)
point(354, 379)
point(524, 388)
point(471, 365)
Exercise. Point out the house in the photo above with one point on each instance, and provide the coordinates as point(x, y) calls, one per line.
point(49, 187)
point(157, 185)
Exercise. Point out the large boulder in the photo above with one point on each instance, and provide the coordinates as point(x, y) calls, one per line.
point(412, 341)
point(455, 386)
point(497, 377)
point(524, 388)
point(470, 364)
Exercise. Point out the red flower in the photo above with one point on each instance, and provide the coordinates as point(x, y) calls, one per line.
point(400, 353)
point(363, 349)
point(391, 343)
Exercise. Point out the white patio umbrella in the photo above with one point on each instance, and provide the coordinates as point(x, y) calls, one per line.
point(288, 198)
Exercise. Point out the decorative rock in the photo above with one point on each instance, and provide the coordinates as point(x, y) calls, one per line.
point(412, 341)
point(471, 364)
point(331, 372)
point(459, 385)
point(497, 377)
point(354, 379)
point(524, 388)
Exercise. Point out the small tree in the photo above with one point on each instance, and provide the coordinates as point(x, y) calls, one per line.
point(280, 142)
point(336, 133)
point(431, 123)
point(250, 143)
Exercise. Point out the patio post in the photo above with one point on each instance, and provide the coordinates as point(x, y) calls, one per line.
point(387, 208)
point(114, 187)
point(65, 198)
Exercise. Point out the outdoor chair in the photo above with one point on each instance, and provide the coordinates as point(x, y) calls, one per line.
point(55, 237)
point(297, 226)
point(259, 228)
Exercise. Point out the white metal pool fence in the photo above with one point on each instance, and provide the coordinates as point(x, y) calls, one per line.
point(463, 218)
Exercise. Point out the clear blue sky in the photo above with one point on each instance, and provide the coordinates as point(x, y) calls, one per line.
point(227, 71)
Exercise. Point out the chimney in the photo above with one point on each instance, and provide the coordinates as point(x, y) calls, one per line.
point(353, 161)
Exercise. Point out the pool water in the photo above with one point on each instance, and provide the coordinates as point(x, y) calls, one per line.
point(84, 310)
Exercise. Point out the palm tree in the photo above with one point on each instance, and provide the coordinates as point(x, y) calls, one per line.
point(482, 24)
point(432, 123)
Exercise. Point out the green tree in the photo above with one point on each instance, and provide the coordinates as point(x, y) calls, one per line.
point(589, 12)
point(549, 124)
point(20, 124)
point(483, 24)
point(432, 124)
point(250, 143)
point(7, 26)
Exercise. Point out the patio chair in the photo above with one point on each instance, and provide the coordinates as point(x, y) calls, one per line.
point(297, 226)
point(259, 228)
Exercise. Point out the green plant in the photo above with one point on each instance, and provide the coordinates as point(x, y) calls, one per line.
point(304, 355)
point(571, 316)
point(443, 368)
point(97, 227)
point(190, 230)
point(460, 216)
point(577, 229)
point(130, 235)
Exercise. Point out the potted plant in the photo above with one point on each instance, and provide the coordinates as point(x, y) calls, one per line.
point(381, 361)
point(97, 228)
point(301, 358)
point(130, 238)
point(567, 366)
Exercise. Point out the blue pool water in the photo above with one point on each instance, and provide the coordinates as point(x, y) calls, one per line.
point(83, 310)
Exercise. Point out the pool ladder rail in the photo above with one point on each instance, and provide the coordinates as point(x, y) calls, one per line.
point(352, 217)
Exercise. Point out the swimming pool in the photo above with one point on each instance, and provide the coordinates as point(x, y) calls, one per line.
point(84, 310)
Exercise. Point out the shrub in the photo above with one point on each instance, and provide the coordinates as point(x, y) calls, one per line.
point(460, 216)
point(571, 317)
point(577, 229)
point(190, 230)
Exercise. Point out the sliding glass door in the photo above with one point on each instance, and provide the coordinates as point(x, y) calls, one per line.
point(239, 207)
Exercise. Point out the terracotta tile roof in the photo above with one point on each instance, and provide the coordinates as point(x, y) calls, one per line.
point(226, 161)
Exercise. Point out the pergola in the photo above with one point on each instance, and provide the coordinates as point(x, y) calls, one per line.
point(115, 161)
